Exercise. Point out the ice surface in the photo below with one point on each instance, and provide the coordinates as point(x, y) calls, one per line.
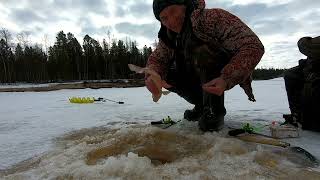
point(65, 136)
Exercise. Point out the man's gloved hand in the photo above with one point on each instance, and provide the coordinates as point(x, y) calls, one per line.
point(216, 86)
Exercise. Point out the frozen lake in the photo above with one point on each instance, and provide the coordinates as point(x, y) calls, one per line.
point(30, 123)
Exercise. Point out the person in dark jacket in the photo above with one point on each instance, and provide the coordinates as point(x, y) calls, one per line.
point(202, 53)
point(303, 86)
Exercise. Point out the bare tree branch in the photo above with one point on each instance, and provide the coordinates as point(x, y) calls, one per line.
point(23, 38)
point(6, 35)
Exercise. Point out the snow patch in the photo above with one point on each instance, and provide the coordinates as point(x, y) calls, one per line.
point(137, 152)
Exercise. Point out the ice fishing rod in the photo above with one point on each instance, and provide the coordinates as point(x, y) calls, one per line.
point(247, 133)
point(105, 99)
point(89, 100)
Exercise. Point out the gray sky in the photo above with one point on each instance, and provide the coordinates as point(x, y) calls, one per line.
point(278, 23)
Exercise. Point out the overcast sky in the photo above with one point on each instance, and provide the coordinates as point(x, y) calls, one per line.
point(278, 23)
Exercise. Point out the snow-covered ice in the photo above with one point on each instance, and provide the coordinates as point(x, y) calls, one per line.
point(58, 136)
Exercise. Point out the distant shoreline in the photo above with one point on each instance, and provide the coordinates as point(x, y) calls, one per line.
point(93, 84)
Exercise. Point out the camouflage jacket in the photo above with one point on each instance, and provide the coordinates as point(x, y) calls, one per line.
point(227, 30)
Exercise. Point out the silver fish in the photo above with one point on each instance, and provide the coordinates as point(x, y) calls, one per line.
point(155, 77)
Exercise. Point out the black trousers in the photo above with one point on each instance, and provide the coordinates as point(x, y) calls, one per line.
point(303, 91)
point(294, 82)
point(188, 81)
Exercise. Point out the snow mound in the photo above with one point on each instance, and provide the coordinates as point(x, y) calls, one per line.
point(144, 152)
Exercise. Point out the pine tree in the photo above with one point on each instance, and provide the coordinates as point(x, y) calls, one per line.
point(19, 63)
point(5, 58)
point(75, 54)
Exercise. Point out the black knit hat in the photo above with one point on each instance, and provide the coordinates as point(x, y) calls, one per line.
point(310, 46)
point(159, 5)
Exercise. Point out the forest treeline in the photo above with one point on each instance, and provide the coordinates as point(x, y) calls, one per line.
point(269, 73)
point(68, 60)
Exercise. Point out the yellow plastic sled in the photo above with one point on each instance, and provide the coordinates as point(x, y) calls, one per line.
point(81, 100)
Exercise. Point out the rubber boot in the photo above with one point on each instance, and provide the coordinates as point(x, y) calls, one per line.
point(212, 118)
point(293, 119)
point(193, 114)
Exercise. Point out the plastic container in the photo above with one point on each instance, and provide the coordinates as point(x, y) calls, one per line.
point(284, 131)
